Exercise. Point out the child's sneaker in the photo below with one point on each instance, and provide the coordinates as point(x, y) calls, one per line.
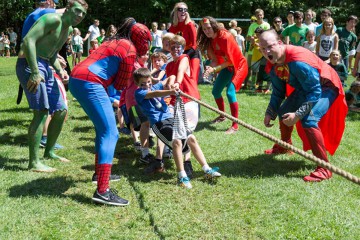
point(147, 158)
point(212, 173)
point(124, 130)
point(184, 182)
point(109, 197)
point(155, 166)
point(137, 146)
point(151, 142)
point(167, 152)
point(43, 143)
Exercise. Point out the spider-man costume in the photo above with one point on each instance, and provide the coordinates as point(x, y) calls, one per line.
point(112, 63)
point(318, 98)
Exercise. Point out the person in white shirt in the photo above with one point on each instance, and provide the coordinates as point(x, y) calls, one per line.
point(233, 25)
point(93, 33)
point(309, 16)
point(156, 34)
point(240, 39)
point(13, 39)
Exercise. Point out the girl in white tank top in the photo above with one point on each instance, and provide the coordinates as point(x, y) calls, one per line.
point(328, 40)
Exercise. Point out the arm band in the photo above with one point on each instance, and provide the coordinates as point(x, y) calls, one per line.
point(217, 69)
point(270, 111)
point(304, 109)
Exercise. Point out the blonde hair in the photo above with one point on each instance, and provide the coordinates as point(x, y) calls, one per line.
point(233, 23)
point(167, 36)
point(178, 40)
point(330, 20)
point(174, 16)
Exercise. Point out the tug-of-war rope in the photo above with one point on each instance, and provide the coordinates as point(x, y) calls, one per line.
point(306, 155)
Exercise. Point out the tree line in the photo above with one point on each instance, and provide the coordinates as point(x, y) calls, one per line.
point(14, 12)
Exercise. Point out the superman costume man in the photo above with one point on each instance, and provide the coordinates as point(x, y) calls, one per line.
point(316, 103)
point(112, 63)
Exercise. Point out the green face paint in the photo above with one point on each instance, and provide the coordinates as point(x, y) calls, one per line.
point(77, 13)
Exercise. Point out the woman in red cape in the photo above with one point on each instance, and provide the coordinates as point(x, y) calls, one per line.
point(226, 60)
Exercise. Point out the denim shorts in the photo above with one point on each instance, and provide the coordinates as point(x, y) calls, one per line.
point(47, 95)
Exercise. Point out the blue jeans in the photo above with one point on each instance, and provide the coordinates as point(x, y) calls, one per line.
point(47, 95)
point(96, 103)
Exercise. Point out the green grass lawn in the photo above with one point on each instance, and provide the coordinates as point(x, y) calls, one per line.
point(258, 196)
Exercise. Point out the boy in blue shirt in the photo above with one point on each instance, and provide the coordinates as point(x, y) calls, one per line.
point(150, 98)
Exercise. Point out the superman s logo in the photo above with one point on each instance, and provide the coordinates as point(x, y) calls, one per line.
point(283, 72)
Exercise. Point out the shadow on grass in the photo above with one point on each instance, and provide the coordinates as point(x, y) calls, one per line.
point(83, 129)
point(80, 118)
point(18, 140)
point(14, 123)
point(25, 110)
point(260, 166)
point(6, 164)
point(49, 187)
point(55, 186)
point(208, 126)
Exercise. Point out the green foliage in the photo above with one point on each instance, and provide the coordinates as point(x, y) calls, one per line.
point(258, 196)
point(14, 12)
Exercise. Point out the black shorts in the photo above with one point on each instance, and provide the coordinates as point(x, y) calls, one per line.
point(136, 117)
point(164, 130)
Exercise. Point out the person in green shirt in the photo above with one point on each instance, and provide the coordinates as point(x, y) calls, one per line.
point(347, 39)
point(296, 34)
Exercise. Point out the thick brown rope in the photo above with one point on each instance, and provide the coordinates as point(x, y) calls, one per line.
point(306, 155)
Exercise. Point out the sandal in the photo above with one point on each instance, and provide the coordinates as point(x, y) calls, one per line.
point(231, 130)
point(219, 119)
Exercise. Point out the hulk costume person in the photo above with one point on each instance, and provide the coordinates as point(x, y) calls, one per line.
point(38, 52)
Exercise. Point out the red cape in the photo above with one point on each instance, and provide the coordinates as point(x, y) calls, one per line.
point(227, 44)
point(332, 124)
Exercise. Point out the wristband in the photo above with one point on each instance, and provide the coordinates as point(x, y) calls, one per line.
point(217, 69)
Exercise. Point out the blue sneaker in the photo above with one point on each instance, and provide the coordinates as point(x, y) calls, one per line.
point(184, 182)
point(212, 173)
point(43, 143)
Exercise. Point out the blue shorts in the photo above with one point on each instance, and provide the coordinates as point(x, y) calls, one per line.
point(47, 95)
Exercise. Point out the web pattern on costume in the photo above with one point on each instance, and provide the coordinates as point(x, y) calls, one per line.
point(112, 63)
point(141, 37)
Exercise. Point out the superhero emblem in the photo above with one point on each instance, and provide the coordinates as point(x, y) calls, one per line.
point(283, 72)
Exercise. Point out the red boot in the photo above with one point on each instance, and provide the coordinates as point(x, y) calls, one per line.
point(221, 105)
point(234, 108)
point(285, 133)
point(277, 149)
point(316, 141)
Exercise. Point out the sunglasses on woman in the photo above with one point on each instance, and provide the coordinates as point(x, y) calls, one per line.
point(182, 9)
